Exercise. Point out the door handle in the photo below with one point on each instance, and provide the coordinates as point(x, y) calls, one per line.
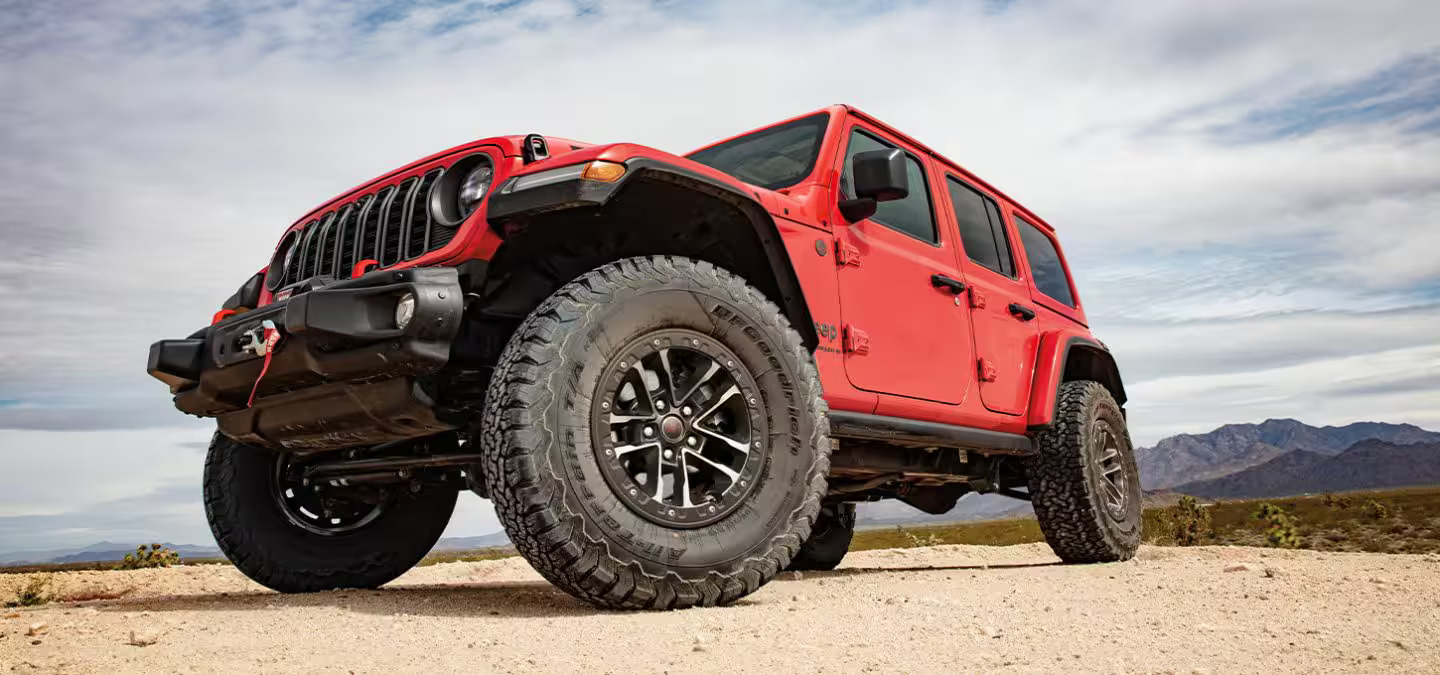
point(1021, 312)
point(955, 286)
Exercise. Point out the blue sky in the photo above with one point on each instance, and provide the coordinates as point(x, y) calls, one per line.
point(1247, 191)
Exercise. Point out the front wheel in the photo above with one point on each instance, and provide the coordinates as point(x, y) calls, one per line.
point(655, 436)
point(298, 538)
point(1084, 484)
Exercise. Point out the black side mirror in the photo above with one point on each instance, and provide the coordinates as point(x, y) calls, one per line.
point(879, 176)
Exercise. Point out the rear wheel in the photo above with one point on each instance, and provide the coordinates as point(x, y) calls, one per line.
point(829, 540)
point(297, 538)
point(655, 437)
point(1083, 481)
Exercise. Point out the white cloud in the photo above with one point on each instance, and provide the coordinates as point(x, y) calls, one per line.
point(151, 162)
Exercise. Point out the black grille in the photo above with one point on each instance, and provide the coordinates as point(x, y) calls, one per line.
point(388, 226)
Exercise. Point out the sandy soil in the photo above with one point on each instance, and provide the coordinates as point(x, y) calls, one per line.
point(942, 609)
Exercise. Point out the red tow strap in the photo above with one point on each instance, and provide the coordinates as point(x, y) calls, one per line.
point(270, 339)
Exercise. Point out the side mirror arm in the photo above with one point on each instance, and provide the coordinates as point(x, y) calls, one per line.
point(858, 209)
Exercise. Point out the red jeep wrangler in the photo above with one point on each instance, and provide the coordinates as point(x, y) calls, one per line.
point(674, 376)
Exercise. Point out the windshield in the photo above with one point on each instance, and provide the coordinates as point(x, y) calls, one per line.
point(772, 158)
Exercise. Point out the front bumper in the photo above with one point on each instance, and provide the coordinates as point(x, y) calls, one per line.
point(342, 375)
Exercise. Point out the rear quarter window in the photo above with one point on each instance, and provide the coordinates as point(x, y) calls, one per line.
point(1045, 266)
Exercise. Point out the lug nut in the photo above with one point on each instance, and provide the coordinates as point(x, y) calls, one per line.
point(649, 432)
point(686, 410)
point(659, 405)
point(669, 454)
point(692, 441)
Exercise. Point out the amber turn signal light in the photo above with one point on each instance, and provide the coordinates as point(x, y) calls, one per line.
point(602, 171)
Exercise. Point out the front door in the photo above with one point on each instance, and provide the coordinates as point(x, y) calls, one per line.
point(906, 330)
point(1002, 314)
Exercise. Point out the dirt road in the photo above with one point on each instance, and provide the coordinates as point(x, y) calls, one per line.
point(942, 609)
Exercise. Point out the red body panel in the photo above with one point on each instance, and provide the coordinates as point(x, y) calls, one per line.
point(890, 342)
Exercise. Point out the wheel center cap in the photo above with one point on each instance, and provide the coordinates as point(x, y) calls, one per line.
point(672, 428)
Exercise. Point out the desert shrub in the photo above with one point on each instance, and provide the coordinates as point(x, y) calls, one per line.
point(146, 558)
point(1337, 502)
point(1189, 522)
point(1375, 510)
point(918, 540)
point(35, 591)
point(1281, 529)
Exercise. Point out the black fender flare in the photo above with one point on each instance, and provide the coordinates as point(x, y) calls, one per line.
point(1085, 358)
point(577, 193)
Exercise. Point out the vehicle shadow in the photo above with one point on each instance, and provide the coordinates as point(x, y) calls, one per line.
point(515, 599)
point(854, 571)
point(461, 599)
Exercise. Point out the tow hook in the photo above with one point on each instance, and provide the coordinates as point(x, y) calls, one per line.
point(253, 340)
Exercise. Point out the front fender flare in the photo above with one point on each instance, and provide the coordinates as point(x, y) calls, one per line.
point(577, 193)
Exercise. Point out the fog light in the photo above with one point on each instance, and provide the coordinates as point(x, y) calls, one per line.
point(404, 310)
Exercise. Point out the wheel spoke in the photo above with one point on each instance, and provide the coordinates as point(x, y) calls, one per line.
point(742, 448)
point(730, 473)
point(644, 386)
point(682, 481)
point(623, 419)
point(709, 373)
point(1115, 496)
point(732, 391)
point(669, 375)
point(622, 450)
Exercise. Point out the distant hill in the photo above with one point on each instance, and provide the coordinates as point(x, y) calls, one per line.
point(1365, 465)
point(1189, 458)
point(107, 551)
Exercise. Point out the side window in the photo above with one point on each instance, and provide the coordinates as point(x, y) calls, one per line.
point(1045, 264)
point(982, 231)
point(912, 215)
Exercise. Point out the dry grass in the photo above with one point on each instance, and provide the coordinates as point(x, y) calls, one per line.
point(1409, 522)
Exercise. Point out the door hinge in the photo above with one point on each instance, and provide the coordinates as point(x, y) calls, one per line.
point(986, 370)
point(977, 299)
point(855, 341)
point(846, 255)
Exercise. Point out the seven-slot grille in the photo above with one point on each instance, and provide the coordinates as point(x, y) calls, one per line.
point(388, 226)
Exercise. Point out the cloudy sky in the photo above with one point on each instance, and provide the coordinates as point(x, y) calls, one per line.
point(1248, 191)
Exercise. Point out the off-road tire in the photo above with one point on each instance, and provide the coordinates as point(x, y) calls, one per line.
point(544, 473)
point(1065, 479)
point(254, 533)
point(829, 540)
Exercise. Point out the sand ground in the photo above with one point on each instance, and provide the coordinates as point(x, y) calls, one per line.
point(931, 610)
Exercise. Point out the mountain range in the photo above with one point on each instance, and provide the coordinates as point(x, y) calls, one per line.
point(1366, 465)
point(1188, 458)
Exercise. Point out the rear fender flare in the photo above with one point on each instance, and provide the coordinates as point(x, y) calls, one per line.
point(1067, 357)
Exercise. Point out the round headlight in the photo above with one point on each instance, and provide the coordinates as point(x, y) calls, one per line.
point(474, 187)
point(404, 311)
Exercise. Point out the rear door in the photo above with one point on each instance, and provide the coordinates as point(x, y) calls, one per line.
point(905, 332)
point(998, 296)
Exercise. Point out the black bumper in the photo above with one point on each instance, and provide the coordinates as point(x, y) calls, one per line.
point(343, 374)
